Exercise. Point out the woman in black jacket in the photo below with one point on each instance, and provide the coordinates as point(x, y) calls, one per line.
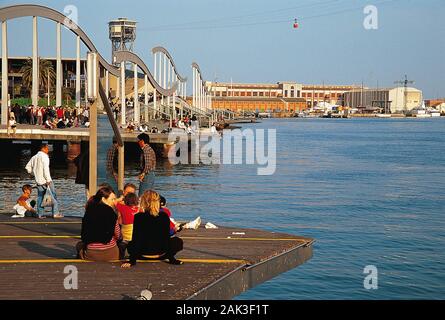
point(151, 233)
point(100, 228)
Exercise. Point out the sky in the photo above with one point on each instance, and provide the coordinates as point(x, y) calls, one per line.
point(253, 41)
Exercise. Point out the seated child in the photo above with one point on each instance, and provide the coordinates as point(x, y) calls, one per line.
point(25, 206)
point(126, 213)
point(174, 227)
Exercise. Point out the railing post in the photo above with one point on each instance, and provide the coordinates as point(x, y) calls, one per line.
point(122, 92)
point(78, 73)
point(93, 86)
point(5, 73)
point(137, 111)
point(146, 98)
point(58, 67)
point(35, 63)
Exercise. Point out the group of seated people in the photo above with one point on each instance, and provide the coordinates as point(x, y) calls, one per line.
point(61, 123)
point(114, 228)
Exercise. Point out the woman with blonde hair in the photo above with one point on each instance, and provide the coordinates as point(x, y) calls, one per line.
point(151, 233)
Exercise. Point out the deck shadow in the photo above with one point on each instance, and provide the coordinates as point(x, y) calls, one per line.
point(64, 251)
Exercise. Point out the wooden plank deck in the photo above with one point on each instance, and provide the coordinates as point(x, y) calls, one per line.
point(30, 132)
point(219, 263)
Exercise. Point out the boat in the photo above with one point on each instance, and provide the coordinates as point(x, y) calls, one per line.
point(420, 112)
point(264, 115)
point(433, 112)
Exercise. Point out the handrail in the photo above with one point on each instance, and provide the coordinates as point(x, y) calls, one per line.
point(30, 10)
point(196, 66)
point(121, 56)
point(107, 107)
point(164, 51)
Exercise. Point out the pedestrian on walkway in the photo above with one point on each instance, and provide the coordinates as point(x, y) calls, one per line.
point(38, 166)
point(147, 164)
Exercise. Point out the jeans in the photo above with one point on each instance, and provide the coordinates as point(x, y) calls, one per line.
point(147, 183)
point(41, 189)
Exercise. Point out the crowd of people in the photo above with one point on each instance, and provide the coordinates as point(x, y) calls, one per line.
point(134, 226)
point(137, 228)
point(48, 117)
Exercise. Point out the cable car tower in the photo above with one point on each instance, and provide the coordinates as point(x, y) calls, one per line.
point(405, 85)
point(122, 34)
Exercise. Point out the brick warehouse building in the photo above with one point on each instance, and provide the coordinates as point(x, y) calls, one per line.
point(332, 94)
point(283, 97)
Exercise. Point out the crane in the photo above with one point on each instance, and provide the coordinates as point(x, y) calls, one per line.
point(405, 85)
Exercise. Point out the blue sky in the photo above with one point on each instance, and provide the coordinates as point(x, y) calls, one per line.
point(253, 40)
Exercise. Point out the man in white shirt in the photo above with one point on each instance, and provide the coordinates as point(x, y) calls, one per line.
point(38, 166)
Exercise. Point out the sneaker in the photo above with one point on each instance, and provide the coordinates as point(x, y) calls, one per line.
point(210, 225)
point(58, 216)
point(16, 216)
point(193, 224)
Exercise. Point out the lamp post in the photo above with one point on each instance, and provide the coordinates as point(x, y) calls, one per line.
point(92, 89)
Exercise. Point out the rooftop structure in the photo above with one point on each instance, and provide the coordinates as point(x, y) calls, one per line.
point(122, 33)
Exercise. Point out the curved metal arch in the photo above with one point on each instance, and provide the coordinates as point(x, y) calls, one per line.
point(122, 56)
point(30, 10)
point(164, 51)
point(196, 66)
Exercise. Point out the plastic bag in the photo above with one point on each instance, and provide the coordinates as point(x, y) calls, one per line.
point(47, 199)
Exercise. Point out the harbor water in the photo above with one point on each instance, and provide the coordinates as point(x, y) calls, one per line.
point(370, 191)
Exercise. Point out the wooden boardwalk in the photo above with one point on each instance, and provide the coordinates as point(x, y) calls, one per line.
point(29, 133)
point(219, 263)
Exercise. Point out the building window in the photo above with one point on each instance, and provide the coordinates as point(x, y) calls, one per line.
point(243, 94)
point(249, 94)
point(285, 93)
point(261, 94)
point(255, 94)
point(298, 93)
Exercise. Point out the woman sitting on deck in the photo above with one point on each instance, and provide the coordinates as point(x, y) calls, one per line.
point(151, 238)
point(100, 228)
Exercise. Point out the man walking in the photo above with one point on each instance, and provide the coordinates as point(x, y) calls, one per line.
point(147, 164)
point(38, 166)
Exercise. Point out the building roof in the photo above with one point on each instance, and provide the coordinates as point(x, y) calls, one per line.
point(328, 87)
point(244, 85)
point(253, 99)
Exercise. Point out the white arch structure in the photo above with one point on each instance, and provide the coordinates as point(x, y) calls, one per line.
point(166, 73)
point(121, 57)
point(202, 100)
point(165, 81)
point(36, 12)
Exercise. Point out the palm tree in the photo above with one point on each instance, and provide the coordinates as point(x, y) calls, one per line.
point(46, 72)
